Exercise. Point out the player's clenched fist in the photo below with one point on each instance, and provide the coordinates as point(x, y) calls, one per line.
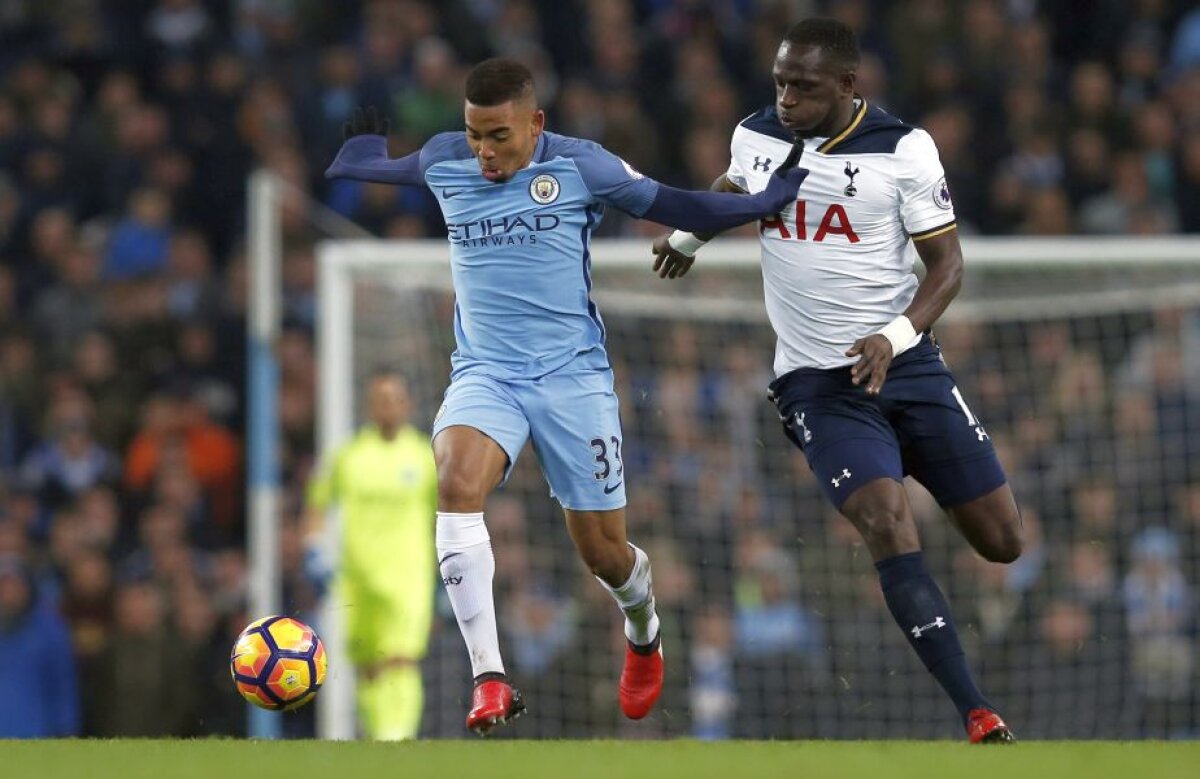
point(872, 367)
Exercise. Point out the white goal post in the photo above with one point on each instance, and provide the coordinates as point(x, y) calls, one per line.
point(1114, 286)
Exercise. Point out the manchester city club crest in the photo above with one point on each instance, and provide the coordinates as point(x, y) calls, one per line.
point(544, 189)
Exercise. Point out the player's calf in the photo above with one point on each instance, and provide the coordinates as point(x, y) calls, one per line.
point(880, 512)
point(624, 570)
point(610, 563)
point(599, 537)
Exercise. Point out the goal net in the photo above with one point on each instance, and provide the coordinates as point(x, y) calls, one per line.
point(1081, 358)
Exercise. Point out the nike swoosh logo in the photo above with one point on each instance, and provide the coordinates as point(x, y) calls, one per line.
point(448, 556)
point(449, 193)
point(612, 489)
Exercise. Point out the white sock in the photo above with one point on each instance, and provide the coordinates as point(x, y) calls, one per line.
point(636, 599)
point(464, 552)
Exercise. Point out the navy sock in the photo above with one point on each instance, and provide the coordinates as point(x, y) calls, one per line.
point(921, 611)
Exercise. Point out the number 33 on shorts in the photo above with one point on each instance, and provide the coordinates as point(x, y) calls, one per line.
point(608, 466)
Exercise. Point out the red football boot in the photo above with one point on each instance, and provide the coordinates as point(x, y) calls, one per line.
point(494, 702)
point(641, 680)
point(984, 726)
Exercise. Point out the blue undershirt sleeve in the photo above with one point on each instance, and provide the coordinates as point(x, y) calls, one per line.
point(716, 211)
point(365, 158)
point(612, 181)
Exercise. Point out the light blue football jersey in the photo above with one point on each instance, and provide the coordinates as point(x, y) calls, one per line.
point(519, 252)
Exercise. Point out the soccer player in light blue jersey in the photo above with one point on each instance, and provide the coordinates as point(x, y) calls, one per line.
point(520, 205)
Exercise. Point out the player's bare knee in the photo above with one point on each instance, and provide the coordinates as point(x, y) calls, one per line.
point(885, 527)
point(885, 524)
point(459, 491)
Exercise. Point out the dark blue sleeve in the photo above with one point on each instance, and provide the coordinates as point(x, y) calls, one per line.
point(717, 211)
point(365, 158)
point(610, 179)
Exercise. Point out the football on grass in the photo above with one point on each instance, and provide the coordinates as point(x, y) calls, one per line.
point(278, 663)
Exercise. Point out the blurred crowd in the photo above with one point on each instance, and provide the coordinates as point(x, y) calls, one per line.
point(771, 596)
point(127, 131)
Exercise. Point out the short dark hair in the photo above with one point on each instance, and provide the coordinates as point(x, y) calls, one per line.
point(382, 372)
point(834, 37)
point(498, 80)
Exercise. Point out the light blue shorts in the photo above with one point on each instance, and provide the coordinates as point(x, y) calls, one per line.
point(572, 419)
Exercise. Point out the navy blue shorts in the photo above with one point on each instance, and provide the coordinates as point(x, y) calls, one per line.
point(919, 425)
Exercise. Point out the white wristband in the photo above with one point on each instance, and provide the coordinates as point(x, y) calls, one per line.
point(685, 243)
point(900, 332)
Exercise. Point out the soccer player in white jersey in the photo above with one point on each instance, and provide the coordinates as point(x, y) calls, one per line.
point(861, 385)
point(530, 363)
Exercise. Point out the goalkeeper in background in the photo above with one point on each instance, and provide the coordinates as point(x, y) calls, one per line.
point(385, 482)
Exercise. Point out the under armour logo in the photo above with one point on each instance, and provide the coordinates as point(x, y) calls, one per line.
point(850, 189)
point(837, 480)
point(761, 164)
point(807, 432)
point(938, 622)
point(981, 433)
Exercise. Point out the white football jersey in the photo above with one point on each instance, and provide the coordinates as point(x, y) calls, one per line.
point(838, 263)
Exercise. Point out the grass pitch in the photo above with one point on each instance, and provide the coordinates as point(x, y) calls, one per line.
point(474, 759)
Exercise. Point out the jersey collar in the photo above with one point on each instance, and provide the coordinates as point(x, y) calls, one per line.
point(855, 121)
point(539, 151)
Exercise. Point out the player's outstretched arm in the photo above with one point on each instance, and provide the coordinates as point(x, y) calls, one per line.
point(943, 260)
point(364, 154)
point(675, 252)
point(717, 211)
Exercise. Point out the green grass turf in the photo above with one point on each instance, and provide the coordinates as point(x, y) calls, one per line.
point(473, 759)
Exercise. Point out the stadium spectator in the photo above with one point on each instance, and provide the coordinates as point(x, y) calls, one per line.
point(112, 391)
point(138, 245)
point(1159, 618)
point(1130, 197)
point(134, 688)
point(73, 304)
point(540, 626)
point(86, 604)
point(39, 696)
point(712, 695)
point(69, 460)
point(176, 425)
point(1185, 51)
point(1075, 689)
point(781, 644)
point(192, 292)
